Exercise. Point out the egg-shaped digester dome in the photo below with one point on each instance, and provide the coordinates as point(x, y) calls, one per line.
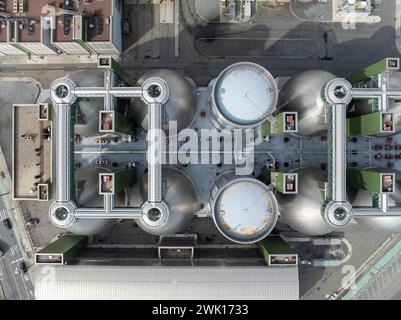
point(91, 78)
point(87, 109)
point(302, 211)
point(89, 197)
point(180, 195)
point(303, 93)
point(180, 107)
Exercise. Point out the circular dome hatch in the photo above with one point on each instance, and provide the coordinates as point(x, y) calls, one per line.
point(245, 94)
point(245, 211)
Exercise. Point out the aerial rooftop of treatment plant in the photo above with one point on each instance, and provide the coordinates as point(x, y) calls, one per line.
point(193, 149)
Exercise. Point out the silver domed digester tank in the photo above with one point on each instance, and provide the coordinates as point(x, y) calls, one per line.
point(244, 209)
point(302, 211)
point(179, 194)
point(89, 197)
point(243, 96)
point(87, 124)
point(91, 78)
point(180, 107)
point(386, 225)
point(394, 80)
point(303, 94)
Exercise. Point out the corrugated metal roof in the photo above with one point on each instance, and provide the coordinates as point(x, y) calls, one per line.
point(174, 283)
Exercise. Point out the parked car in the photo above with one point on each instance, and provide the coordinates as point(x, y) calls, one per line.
point(7, 223)
point(378, 147)
point(397, 147)
point(389, 156)
point(32, 221)
point(388, 147)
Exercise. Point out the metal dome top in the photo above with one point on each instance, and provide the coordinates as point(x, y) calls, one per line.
point(302, 211)
point(62, 214)
point(91, 226)
point(245, 210)
point(179, 195)
point(89, 196)
point(388, 225)
point(88, 78)
point(181, 104)
point(89, 109)
point(394, 82)
point(303, 94)
point(245, 93)
point(304, 90)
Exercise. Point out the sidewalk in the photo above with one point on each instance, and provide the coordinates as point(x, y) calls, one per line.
point(50, 59)
point(22, 234)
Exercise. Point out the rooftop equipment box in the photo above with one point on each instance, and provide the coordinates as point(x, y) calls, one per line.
point(277, 252)
point(286, 183)
point(384, 65)
point(285, 122)
point(375, 182)
point(62, 251)
point(376, 123)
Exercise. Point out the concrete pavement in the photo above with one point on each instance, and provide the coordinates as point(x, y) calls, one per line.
point(17, 240)
point(348, 50)
point(382, 280)
point(14, 285)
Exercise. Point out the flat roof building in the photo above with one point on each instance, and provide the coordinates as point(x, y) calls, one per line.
point(108, 166)
point(166, 283)
point(44, 27)
point(7, 38)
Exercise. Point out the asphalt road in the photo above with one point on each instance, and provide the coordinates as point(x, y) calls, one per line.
point(14, 285)
point(261, 41)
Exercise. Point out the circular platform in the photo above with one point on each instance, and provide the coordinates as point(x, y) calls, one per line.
point(245, 94)
point(245, 211)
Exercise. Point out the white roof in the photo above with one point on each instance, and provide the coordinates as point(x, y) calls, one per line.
point(246, 93)
point(245, 209)
point(174, 283)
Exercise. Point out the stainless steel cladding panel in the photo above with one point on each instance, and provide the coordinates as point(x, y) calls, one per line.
point(302, 211)
point(180, 195)
point(88, 78)
point(89, 197)
point(303, 94)
point(181, 106)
